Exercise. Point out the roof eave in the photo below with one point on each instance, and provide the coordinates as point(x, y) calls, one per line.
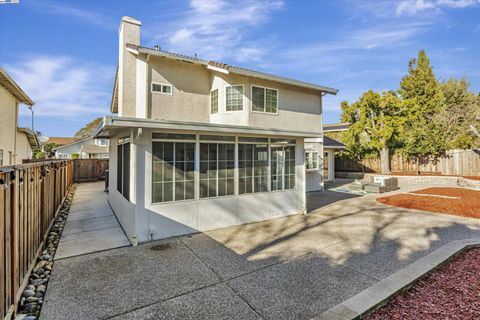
point(15, 89)
point(111, 123)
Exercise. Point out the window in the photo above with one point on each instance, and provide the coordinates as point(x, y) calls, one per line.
point(1, 158)
point(264, 99)
point(214, 101)
point(161, 88)
point(123, 168)
point(311, 160)
point(102, 142)
point(252, 168)
point(173, 171)
point(283, 167)
point(217, 162)
point(234, 98)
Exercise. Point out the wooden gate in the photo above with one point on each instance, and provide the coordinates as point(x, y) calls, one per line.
point(89, 169)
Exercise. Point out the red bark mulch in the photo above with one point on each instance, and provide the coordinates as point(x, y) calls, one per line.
point(452, 291)
point(463, 202)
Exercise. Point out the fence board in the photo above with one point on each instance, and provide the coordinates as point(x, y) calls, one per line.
point(90, 169)
point(453, 162)
point(30, 197)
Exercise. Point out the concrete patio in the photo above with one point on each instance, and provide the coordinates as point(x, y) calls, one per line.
point(289, 268)
point(91, 225)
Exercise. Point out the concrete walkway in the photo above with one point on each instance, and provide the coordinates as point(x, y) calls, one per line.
point(91, 225)
point(288, 268)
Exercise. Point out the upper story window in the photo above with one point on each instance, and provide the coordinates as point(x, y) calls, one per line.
point(102, 142)
point(234, 97)
point(214, 101)
point(161, 88)
point(264, 99)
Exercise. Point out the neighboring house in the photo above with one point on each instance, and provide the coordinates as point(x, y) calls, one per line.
point(16, 144)
point(85, 148)
point(60, 141)
point(326, 146)
point(198, 145)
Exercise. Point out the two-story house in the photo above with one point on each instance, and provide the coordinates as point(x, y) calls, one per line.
point(199, 145)
point(16, 144)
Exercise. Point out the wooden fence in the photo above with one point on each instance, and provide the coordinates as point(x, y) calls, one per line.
point(454, 162)
point(30, 198)
point(89, 169)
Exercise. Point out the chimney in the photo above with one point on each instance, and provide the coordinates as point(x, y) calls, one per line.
point(128, 33)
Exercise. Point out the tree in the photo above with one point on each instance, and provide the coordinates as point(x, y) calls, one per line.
point(48, 150)
point(87, 131)
point(423, 93)
point(460, 114)
point(376, 121)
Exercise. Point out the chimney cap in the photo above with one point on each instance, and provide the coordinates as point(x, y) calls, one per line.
point(131, 20)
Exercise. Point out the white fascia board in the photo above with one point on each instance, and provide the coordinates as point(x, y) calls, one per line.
point(135, 52)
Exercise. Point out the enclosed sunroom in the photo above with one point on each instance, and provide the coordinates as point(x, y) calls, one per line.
point(171, 178)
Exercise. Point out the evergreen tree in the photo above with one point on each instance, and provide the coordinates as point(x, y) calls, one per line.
point(376, 120)
point(423, 93)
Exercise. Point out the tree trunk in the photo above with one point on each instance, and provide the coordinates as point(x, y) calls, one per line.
point(385, 159)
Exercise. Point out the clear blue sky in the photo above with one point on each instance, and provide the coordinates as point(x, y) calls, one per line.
point(64, 53)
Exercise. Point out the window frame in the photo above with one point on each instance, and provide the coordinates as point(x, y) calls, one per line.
point(264, 100)
point(218, 105)
point(243, 97)
point(194, 141)
point(121, 143)
point(317, 162)
point(283, 146)
point(200, 142)
point(253, 176)
point(162, 85)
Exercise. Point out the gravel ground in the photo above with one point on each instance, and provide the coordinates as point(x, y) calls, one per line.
point(455, 201)
point(450, 292)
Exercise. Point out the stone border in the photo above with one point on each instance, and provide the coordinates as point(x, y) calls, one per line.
point(380, 293)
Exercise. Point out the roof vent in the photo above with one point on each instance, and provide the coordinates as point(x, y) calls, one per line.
point(157, 48)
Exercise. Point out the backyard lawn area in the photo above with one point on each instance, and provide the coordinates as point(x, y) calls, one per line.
point(456, 201)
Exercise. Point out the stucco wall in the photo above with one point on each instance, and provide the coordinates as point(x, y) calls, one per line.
point(298, 108)
point(24, 151)
point(190, 96)
point(8, 124)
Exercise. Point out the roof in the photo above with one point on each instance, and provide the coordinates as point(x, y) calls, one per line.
point(220, 67)
point(332, 143)
point(94, 149)
point(31, 136)
point(11, 86)
point(110, 126)
point(60, 141)
point(332, 127)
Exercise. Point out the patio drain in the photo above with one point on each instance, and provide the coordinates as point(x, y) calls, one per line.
point(161, 247)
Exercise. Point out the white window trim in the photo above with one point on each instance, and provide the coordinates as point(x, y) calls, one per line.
point(264, 100)
point(243, 98)
point(318, 160)
point(162, 84)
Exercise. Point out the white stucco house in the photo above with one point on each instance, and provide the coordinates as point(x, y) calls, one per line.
point(85, 148)
point(197, 145)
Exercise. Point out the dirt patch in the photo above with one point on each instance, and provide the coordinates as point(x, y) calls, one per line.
point(455, 201)
point(449, 292)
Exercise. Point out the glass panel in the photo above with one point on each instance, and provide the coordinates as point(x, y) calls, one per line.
point(258, 99)
point(157, 190)
point(173, 136)
point(252, 139)
point(283, 141)
point(271, 100)
point(156, 87)
point(168, 191)
point(216, 138)
point(166, 89)
point(119, 167)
